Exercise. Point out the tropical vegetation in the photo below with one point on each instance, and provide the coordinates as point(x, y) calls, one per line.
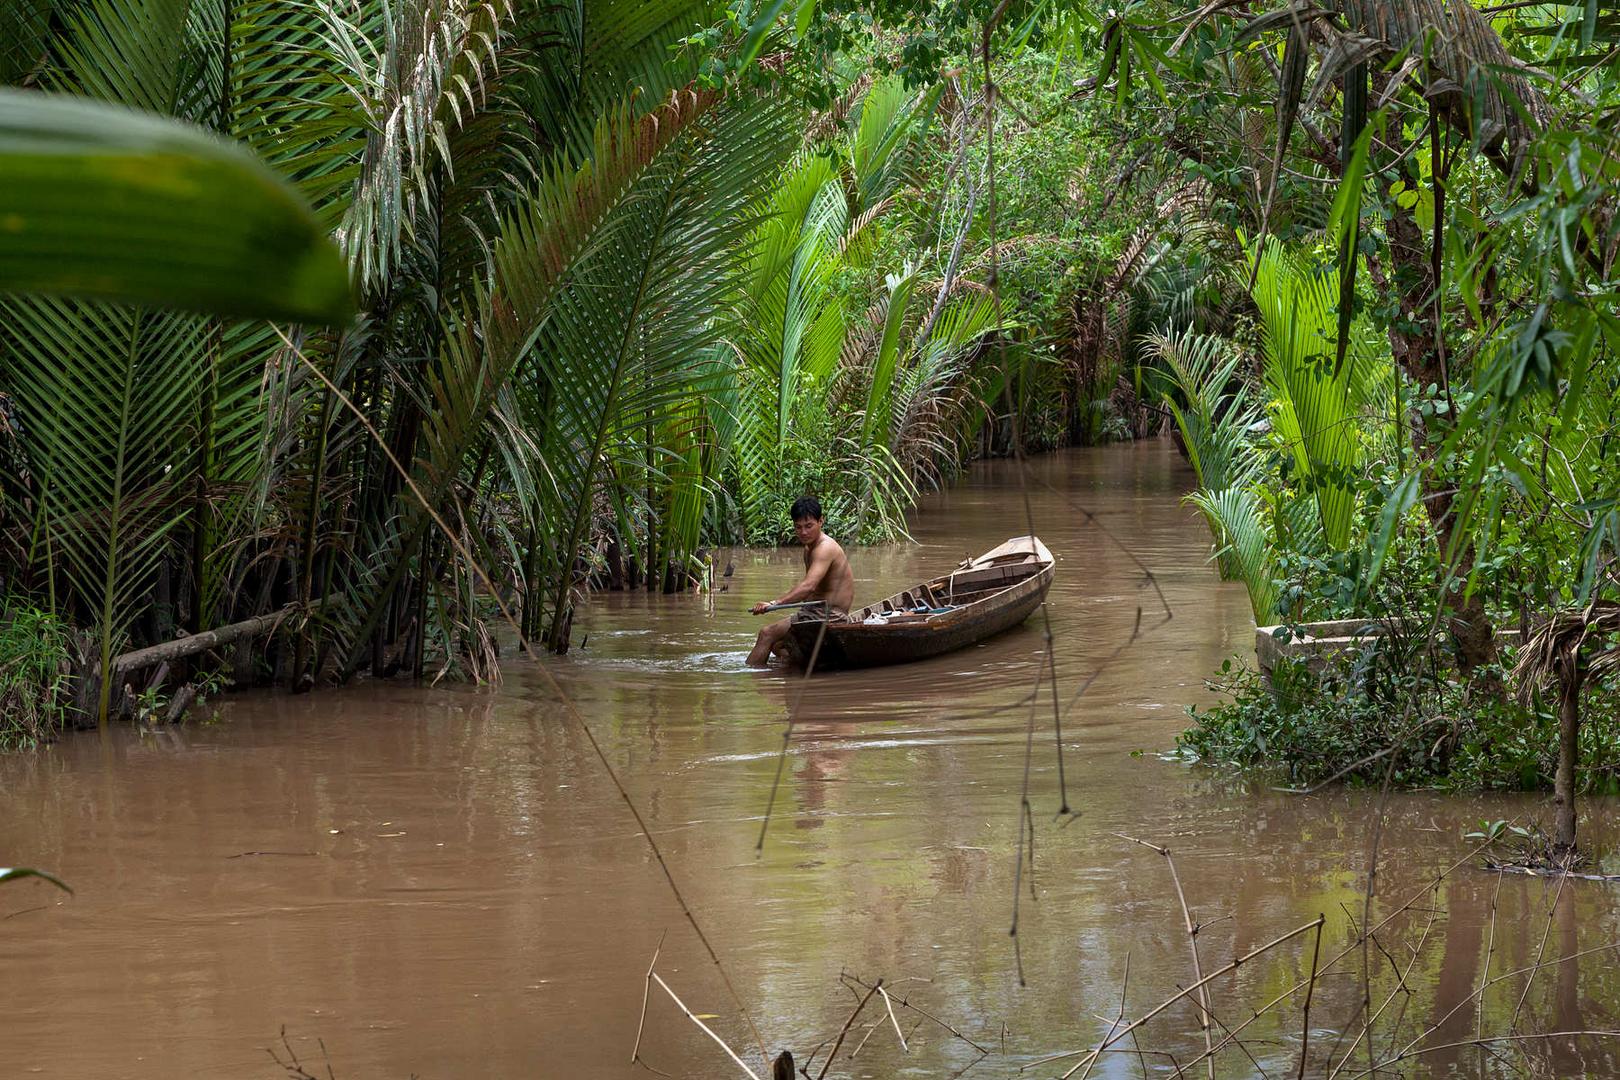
point(534, 300)
point(359, 322)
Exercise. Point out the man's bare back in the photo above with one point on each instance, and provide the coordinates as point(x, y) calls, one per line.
point(836, 587)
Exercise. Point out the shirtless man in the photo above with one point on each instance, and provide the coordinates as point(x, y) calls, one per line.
point(827, 578)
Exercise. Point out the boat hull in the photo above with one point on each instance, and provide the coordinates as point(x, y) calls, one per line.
point(853, 644)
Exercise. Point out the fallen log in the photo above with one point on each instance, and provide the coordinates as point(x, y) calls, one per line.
point(193, 644)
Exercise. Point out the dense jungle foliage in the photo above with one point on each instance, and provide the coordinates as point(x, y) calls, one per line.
point(627, 282)
point(629, 277)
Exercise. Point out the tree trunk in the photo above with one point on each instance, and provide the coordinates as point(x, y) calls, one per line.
point(1569, 726)
point(1416, 341)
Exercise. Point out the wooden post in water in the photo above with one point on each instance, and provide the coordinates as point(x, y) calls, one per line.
point(782, 1068)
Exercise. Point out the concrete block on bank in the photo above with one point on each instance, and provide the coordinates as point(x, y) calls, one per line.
point(1315, 643)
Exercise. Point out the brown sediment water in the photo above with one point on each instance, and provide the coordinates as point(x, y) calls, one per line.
point(441, 882)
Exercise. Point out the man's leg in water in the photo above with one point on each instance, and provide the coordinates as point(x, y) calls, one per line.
point(767, 642)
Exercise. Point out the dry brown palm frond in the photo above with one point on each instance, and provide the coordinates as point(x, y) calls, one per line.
point(1009, 249)
point(1466, 57)
point(859, 223)
point(958, 286)
point(1559, 638)
point(826, 123)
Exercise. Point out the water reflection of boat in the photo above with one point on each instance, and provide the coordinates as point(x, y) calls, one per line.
point(979, 598)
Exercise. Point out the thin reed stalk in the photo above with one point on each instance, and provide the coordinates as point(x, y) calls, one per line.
point(732, 1054)
point(1225, 969)
point(1192, 940)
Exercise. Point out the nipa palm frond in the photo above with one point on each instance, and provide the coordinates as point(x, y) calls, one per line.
point(1235, 517)
point(107, 406)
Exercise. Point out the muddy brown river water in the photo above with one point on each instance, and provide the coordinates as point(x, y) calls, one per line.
point(442, 883)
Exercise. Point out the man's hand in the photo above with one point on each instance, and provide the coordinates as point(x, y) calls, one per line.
point(760, 608)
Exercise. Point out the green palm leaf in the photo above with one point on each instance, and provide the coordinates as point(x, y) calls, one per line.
point(631, 340)
point(1244, 542)
point(572, 212)
point(106, 400)
point(880, 148)
point(1210, 405)
point(103, 202)
point(1316, 407)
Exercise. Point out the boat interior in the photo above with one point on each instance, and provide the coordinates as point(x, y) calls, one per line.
point(974, 580)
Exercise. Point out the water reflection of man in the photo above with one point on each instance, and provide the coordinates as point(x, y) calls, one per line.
point(827, 577)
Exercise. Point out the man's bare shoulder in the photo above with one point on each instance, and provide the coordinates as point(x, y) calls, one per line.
point(832, 547)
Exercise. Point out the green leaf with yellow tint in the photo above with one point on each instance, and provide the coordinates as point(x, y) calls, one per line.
point(106, 202)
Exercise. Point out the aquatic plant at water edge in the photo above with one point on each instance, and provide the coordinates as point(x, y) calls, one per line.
point(36, 685)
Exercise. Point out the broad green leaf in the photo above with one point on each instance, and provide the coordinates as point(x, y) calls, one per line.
point(755, 39)
point(106, 202)
point(1400, 499)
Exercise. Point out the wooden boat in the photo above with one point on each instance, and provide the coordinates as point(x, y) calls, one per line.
point(980, 598)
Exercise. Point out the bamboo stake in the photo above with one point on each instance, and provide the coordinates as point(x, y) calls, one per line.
point(704, 1027)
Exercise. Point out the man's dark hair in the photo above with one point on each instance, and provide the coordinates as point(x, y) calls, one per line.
point(806, 507)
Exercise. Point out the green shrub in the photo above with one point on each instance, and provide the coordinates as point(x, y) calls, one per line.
point(35, 677)
point(1348, 721)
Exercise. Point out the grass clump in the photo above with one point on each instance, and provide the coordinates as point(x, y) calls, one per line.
point(36, 688)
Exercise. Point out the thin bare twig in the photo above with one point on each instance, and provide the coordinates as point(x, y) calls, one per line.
point(1119, 1017)
point(1205, 981)
point(844, 1031)
point(1407, 1054)
point(1305, 1021)
point(646, 991)
point(702, 1026)
point(1541, 951)
point(1485, 971)
point(1506, 975)
point(890, 1006)
point(1192, 939)
point(906, 1003)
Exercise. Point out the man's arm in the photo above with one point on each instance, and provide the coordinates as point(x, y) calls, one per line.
point(820, 562)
